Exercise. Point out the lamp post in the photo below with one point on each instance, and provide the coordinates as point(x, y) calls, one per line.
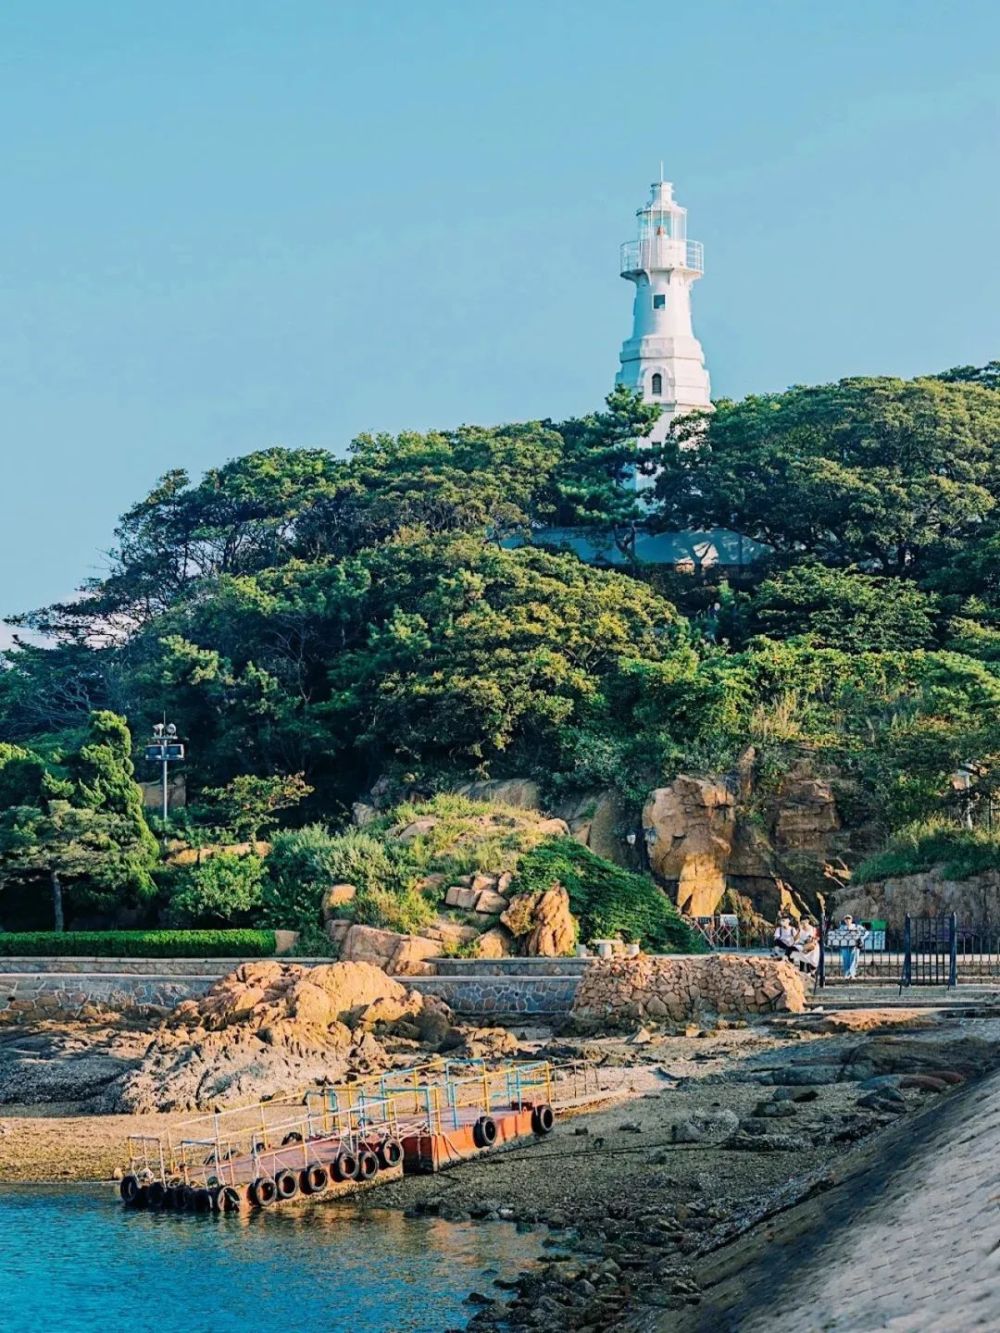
point(165, 749)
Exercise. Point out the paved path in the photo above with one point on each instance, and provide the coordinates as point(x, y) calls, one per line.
point(912, 1246)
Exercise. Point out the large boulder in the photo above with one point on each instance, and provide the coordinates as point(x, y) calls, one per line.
point(402, 955)
point(805, 812)
point(595, 819)
point(542, 922)
point(689, 828)
point(495, 943)
point(268, 1028)
point(521, 793)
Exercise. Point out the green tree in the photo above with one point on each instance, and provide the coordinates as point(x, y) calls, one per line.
point(222, 890)
point(601, 454)
point(80, 820)
point(251, 804)
point(842, 609)
point(870, 471)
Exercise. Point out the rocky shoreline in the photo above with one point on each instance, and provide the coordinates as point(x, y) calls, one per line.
point(718, 1129)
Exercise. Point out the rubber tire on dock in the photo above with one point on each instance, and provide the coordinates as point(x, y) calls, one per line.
point(390, 1152)
point(367, 1165)
point(202, 1201)
point(227, 1199)
point(128, 1190)
point(314, 1179)
point(345, 1166)
point(157, 1194)
point(543, 1118)
point(484, 1132)
point(287, 1184)
point(293, 1136)
point(263, 1192)
point(174, 1188)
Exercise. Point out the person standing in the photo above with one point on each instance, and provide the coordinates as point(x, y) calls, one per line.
point(852, 938)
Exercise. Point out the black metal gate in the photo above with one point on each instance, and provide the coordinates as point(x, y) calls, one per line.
point(930, 951)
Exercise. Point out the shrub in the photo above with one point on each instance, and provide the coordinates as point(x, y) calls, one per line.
point(226, 889)
point(607, 899)
point(139, 943)
point(408, 912)
point(305, 862)
point(933, 844)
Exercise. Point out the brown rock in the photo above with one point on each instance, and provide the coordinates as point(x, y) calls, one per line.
point(336, 930)
point(490, 903)
point(692, 822)
point(552, 931)
point(396, 954)
point(495, 943)
point(461, 897)
point(522, 793)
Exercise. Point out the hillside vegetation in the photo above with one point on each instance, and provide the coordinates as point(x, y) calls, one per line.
point(314, 624)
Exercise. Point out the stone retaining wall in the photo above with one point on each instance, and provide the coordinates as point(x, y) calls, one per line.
point(675, 989)
point(24, 964)
point(38, 993)
point(486, 996)
point(33, 994)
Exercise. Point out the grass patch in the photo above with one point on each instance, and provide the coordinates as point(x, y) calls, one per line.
point(958, 853)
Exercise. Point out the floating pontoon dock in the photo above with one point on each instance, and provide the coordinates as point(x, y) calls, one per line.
point(341, 1138)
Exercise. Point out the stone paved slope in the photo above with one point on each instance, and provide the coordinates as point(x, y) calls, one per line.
point(910, 1243)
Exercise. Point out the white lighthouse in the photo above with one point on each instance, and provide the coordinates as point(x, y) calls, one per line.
point(663, 359)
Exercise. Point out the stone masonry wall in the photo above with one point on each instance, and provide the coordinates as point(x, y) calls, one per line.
point(676, 989)
point(40, 993)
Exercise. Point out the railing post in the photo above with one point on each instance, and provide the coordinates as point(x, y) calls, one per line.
point(907, 974)
point(821, 970)
point(953, 950)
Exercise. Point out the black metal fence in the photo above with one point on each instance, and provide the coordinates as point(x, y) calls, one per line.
point(925, 951)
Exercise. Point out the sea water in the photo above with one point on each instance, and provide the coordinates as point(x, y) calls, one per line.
point(73, 1260)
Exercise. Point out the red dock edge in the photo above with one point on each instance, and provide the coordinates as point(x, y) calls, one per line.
point(424, 1154)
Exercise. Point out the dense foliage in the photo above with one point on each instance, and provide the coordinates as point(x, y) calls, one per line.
point(608, 901)
point(314, 624)
point(139, 943)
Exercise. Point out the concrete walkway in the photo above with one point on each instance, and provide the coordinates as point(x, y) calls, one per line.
point(910, 1242)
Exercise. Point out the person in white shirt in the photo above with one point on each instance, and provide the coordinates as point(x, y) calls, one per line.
point(852, 938)
point(784, 937)
point(806, 952)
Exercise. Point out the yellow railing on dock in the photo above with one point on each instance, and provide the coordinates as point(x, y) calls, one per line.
point(430, 1097)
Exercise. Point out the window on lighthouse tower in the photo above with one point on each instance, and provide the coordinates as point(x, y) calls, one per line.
point(656, 387)
point(659, 301)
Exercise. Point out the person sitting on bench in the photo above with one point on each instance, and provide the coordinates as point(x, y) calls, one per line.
point(784, 937)
point(806, 951)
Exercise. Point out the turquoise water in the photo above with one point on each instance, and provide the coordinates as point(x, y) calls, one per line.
point(72, 1260)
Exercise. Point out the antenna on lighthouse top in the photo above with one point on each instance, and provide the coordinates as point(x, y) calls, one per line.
point(661, 170)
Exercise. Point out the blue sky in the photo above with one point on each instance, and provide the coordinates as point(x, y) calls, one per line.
point(254, 222)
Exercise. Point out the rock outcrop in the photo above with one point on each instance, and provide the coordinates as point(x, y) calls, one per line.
point(675, 989)
point(973, 900)
point(398, 955)
point(542, 923)
point(689, 828)
point(268, 1028)
point(596, 819)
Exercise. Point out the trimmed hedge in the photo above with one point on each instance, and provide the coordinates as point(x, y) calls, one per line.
point(139, 943)
point(607, 899)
